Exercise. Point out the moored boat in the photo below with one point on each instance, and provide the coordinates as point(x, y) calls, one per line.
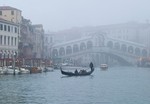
point(24, 71)
point(48, 69)
point(11, 71)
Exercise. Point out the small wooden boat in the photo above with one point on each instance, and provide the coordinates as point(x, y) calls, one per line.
point(81, 73)
point(35, 70)
point(104, 66)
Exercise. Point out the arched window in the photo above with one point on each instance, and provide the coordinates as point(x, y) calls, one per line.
point(68, 50)
point(55, 53)
point(117, 46)
point(144, 52)
point(62, 51)
point(110, 44)
point(82, 46)
point(123, 48)
point(130, 49)
point(75, 48)
point(137, 51)
point(89, 44)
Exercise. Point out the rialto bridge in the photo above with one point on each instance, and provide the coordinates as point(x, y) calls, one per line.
point(98, 49)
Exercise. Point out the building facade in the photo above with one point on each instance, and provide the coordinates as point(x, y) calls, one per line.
point(19, 35)
point(48, 42)
point(31, 41)
point(10, 19)
point(9, 33)
point(38, 41)
point(11, 14)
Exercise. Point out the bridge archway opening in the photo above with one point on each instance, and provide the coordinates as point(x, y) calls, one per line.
point(68, 50)
point(123, 48)
point(82, 46)
point(75, 48)
point(62, 51)
point(130, 49)
point(117, 46)
point(55, 53)
point(89, 44)
point(110, 44)
point(144, 52)
point(137, 51)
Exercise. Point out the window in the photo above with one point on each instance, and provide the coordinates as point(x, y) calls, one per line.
point(8, 40)
point(12, 41)
point(4, 40)
point(8, 28)
point(15, 41)
point(15, 29)
point(0, 12)
point(12, 12)
point(1, 26)
point(11, 28)
point(1, 39)
point(5, 28)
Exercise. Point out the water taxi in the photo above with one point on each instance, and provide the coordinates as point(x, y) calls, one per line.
point(104, 66)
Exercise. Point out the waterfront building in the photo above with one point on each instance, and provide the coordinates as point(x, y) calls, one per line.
point(48, 42)
point(9, 33)
point(38, 41)
point(26, 39)
point(31, 44)
point(11, 14)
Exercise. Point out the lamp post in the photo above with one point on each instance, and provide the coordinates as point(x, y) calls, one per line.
point(14, 59)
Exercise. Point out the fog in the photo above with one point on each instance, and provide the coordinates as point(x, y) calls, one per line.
point(58, 15)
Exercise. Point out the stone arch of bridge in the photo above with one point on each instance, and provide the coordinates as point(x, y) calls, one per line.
point(127, 48)
point(89, 44)
point(74, 48)
point(123, 48)
point(68, 50)
point(144, 53)
point(137, 51)
point(55, 53)
point(110, 44)
point(82, 46)
point(62, 51)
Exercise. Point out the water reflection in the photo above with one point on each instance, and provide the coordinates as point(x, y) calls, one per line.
point(90, 76)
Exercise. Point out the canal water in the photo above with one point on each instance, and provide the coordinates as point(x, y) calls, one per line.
point(117, 85)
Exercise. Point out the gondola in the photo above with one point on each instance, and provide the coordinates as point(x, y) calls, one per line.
point(78, 73)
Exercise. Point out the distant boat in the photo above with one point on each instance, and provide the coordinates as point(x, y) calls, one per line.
point(24, 71)
point(80, 73)
point(48, 69)
point(11, 71)
point(104, 66)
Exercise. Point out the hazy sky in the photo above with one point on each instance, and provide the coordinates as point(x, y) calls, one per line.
point(63, 14)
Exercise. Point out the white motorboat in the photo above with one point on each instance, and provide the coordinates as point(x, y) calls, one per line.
point(24, 71)
point(48, 69)
point(104, 66)
point(10, 71)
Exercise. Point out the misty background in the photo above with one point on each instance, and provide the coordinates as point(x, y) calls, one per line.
point(56, 15)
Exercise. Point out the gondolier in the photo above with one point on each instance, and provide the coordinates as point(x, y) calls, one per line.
point(79, 74)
